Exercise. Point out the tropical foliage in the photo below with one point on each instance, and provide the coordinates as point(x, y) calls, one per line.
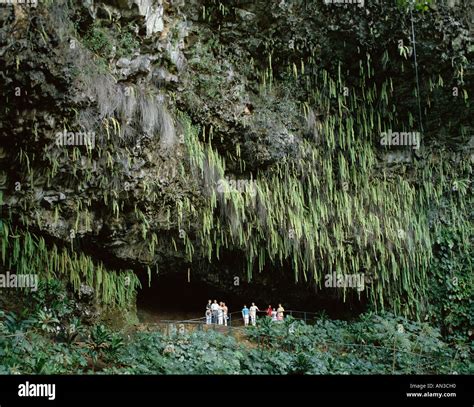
point(371, 345)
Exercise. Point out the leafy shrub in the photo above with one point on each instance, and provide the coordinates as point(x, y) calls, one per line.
point(106, 42)
point(14, 323)
point(98, 40)
point(47, 322)
point(71, 330)
point(51, 296)
point(127, 42)
point(452, 286)
point(420, 5)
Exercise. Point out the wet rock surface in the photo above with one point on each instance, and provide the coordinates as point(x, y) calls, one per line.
point(123, 68)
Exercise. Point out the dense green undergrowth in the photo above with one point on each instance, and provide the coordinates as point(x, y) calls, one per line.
point(370, 346)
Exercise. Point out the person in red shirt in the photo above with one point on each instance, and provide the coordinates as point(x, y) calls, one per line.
point(269, 311)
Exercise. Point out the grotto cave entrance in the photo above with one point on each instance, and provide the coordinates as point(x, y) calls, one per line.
point(172, 297)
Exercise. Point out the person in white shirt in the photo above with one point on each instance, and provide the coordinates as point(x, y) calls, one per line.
point(220, 314)
point(253, 313)
point(280, 312)
point(208, 316)
point(274, 315)
point(214, 310)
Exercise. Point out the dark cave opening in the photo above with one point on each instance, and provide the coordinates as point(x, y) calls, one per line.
point(173, 297)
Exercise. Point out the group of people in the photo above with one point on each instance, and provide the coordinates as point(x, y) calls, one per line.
point(218, 313)
point(251, 313)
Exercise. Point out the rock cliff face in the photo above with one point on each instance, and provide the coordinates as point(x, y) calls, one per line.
point(236, 139)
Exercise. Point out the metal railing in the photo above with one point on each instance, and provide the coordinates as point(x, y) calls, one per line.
point(233, 317)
